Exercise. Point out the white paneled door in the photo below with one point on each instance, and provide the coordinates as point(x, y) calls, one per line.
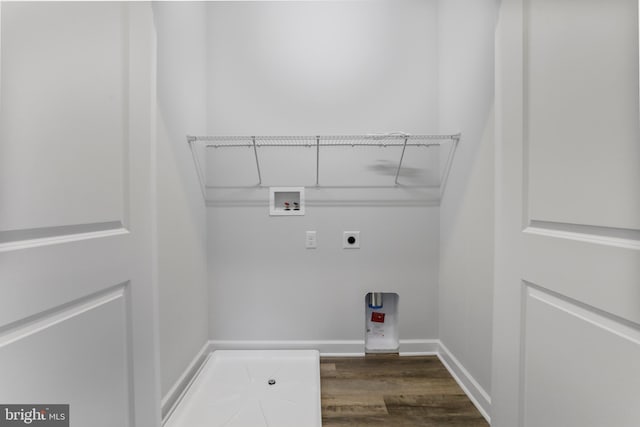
point(567, 296)
point(76, 217)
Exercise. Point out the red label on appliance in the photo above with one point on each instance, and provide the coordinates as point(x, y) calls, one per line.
point(377, 317)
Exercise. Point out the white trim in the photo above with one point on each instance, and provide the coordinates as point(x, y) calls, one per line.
point(326, 348)
point(585, 313)
point(56, 240)
point(632, 243)
point(419, 347)
point(24, 328)
point(478, 396)
point(171, 399)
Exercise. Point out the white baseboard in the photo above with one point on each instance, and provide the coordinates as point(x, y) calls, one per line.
point(343, 348)
point(419, 347)
point(469, 385)
point(338, 348)
point(174, 395)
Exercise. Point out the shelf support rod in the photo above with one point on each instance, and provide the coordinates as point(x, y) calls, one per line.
point(317, 161)
point(201, 179)
point(255, 152)
point(455, 139)
point(404, 147)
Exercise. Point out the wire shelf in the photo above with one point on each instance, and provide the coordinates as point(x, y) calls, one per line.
point(401, 140)
point(382, 140)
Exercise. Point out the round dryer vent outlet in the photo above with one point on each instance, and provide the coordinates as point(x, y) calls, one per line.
point(351, 240)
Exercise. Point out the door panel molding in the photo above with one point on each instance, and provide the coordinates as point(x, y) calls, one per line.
point(31, 325)
point(573, 355)
point(48, 276)
point(50, 189)
point(35, 237)
point(593, 315)
point(616, 237)
point(80, 352)
point(593, 127)
point(560, 264)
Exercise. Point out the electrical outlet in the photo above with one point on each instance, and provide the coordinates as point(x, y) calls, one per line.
point(311, 240)
point(351, 240)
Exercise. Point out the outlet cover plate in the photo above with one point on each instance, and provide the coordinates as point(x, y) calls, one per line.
point(311, 240)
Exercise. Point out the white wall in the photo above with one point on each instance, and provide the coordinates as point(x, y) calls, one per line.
point(266, 286)
point(287, 68)
point(181, 212)
point(466, 73)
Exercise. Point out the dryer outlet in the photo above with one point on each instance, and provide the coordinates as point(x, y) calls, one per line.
point(351, 240)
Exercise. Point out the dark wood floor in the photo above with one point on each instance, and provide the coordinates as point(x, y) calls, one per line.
point(393, 391)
